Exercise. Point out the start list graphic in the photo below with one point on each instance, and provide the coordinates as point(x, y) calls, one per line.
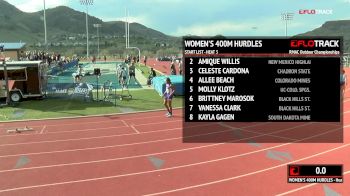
point(262, 79)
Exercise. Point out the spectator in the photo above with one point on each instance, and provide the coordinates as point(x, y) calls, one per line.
point(180, 67)
point(122, 78)
point(81, 70)
point(145, 60)
point(172, 69)
point(152, 74)
point(132, 72)
point(77, 78)
point(129, 59)
point(118, 73)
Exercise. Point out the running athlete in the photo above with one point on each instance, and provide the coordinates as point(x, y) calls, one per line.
point(168, 97)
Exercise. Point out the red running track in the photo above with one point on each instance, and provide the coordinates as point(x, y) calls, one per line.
point(110, 155)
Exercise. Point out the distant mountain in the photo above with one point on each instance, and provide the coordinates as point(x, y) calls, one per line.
point(333, 28)
point(61, 21)
point(67, 25)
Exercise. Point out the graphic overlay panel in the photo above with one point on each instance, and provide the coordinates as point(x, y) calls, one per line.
point(292, 86)
point(315, 173)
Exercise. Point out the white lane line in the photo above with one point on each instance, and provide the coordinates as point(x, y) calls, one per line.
point(103, 128)
point(117, 135)
point(156, 123)
point(268, 134)
point(174, 190)
point(42, 130)
point(70, 131)
point(133, 128)
point(104, 121)
point(82, 123)
point(99, 115)
point(129, 144)
point(247, 174)
point(98, 137)
point(146, 142)
point(329, 123)
point(92, 129)
point(112, 146)
point(304, 187)
point(107, 160)
point(126, 124)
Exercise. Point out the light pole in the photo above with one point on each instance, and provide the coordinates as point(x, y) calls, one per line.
point(45, 26)
point(126, 28)
point(87, 3)
point(287, 17)
point(98, 39)
point(127, 34)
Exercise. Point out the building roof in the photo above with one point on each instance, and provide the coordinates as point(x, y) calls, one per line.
point(13, 46)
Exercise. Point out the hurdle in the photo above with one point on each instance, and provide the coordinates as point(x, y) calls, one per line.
point(20, 130)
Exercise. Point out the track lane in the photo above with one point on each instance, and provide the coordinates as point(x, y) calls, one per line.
point(188, 171)
point(137, 149)
point(110, 189)
point(159, 180)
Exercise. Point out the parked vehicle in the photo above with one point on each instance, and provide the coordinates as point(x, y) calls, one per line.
point(25, 79)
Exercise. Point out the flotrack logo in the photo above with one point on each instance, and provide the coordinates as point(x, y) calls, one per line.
point(314, 43)
point(316, 11)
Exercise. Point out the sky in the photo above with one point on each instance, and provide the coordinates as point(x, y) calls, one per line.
point(209, 17)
